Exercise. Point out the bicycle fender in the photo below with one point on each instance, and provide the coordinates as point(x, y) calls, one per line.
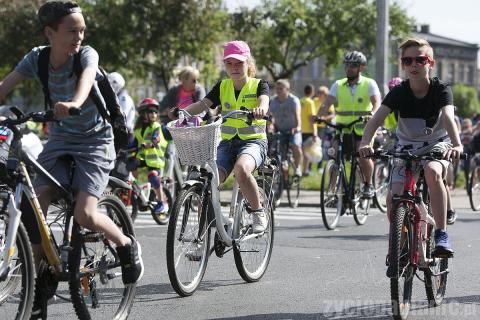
point(191, 183)
point(118, 184)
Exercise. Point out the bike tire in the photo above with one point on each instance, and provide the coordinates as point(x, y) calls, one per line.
point(474, 187)
point(252, 254)
point(293, 186)
point(184, 242)
point(18, 304)
point(159, 219)
point(380, 179)
point(401, 239)
point(361, 206)
point(278, 184)
point(331, 199)
point(436, 274)
point(91, 250)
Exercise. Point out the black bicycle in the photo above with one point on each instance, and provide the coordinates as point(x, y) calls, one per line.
point(473, 182)
point(337, 193)
point(85, 259)
point(287, 180)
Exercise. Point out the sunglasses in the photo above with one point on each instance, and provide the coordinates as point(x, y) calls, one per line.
point(419, 61)
point(152, 111)
point(352, 65)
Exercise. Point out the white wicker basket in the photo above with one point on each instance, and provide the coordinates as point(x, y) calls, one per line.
point(196, 145)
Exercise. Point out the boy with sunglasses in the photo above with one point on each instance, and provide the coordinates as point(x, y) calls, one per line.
point(425, 124)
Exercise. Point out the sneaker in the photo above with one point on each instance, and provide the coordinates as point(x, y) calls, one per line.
point(259, 221)
point(451, 216)
point(131, 261)
point(368, 191)
point(443, 248)
point(298, 172)
point(307, 174)
point(161, 207)
point(194, 253)
point(320, 170)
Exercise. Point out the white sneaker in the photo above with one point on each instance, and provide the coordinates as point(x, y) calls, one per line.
point(298, 172)
point(259, 221)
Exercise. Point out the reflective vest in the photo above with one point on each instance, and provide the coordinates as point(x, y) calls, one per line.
point(348, 110)
point(247, 98)
point(154, 157)
point(390, 121)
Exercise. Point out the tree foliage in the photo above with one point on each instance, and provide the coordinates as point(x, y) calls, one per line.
point(288, 34)
point(465, 99)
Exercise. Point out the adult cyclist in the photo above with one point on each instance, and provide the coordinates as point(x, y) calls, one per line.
point(356, 95)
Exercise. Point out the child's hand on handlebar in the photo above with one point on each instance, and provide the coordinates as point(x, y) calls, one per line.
point(454, 153)
point(258, 113)
point(62, 109)
point(365, 150)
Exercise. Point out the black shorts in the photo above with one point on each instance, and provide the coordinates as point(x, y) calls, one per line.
point(348, 148)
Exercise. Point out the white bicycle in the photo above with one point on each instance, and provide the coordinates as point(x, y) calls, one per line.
point(197, 209)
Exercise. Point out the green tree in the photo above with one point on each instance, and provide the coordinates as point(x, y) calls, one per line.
point(465, 99)
point(288, 34)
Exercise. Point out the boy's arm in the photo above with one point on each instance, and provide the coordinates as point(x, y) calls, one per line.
point(298, 117)
point(10, 81)
point(376, 101)
point(448, 119)
point(372, 125)
point(82, 91)
point(262, 109)
point(323, 110)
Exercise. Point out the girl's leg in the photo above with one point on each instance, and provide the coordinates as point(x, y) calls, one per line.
point(243, 169)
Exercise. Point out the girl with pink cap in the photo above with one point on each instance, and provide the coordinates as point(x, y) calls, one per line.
point(243, 147)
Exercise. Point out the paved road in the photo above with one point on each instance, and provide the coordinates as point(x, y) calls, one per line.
point(313, 274)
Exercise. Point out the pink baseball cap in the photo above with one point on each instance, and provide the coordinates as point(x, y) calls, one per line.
point(236, 49)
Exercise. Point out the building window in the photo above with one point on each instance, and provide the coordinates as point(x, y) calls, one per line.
point(470, 75)
point(439, 70)
point(451, 73)
point(461, 76)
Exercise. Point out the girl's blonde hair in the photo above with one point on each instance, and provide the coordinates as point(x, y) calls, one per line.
point(252, 69)
point(186, 72)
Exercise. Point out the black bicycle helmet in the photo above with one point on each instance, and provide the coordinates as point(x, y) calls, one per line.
point(355, 57)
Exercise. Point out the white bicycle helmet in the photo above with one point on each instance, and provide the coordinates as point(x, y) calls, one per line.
point(355, 57)
point(117, 81)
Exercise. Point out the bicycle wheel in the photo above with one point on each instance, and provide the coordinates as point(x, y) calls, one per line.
point(401, 238)
point(188, 241)
point(380, 179)
point(331, 196)
point(278, 186)
point(96, 285)
point(163, 219)
point(361, 207)
point(17, 288)
point(474, 187)
point(436, 274)
point(293, 186)
point(252, 252)
point(123, 195)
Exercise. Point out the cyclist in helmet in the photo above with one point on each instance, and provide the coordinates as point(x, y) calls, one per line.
point(151, 146)
point(126, 102)
point(356, 95)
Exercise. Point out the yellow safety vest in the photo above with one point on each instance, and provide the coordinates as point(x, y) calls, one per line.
point(390, 121)
point(348, 110)
point(247, 98)
point(154, 157)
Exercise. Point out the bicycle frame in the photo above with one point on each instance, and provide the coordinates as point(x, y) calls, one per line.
point(412, 198)
point(24, 185)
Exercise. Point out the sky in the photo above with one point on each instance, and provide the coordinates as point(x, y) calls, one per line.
point(457, 19)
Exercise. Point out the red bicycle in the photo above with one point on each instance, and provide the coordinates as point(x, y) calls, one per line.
point(411, 243)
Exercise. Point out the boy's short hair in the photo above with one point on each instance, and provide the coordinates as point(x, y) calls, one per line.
point(308, 90)
point(416, 42)
point(283, 82)
point(51, 13)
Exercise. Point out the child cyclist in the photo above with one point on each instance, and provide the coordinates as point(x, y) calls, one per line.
point(425, 124)
point(243, 148)
point(87, 138)
point(151, 146)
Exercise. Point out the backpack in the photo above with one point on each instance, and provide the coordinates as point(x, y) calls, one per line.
point(475, 143)
point(110, 111)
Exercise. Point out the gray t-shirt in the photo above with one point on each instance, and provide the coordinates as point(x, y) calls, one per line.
point(284, 113)
point(62, 83)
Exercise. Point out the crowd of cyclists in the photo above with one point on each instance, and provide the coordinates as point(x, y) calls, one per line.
point(431, 126)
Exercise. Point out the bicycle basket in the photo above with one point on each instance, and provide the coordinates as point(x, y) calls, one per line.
point(196, 145)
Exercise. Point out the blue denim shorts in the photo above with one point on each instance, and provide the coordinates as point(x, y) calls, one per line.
point(229, 150)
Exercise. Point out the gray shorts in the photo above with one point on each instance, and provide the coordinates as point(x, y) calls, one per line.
point(93, 163)
point(229, 150)
point(398, 171)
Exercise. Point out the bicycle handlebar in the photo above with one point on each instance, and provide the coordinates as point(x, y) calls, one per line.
point(408, 156)
point(37, 116)
point(342, 126)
